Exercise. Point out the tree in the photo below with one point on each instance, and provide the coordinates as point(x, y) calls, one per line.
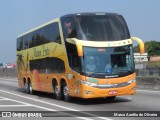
point(151, 47)
point(136, 49)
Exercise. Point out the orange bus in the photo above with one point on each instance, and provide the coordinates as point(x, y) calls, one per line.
point(84, 55)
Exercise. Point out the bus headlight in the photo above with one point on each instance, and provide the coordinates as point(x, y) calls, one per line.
point(132, 81)
point(88, 83)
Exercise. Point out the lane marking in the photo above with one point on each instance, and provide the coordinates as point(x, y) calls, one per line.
point(24, 103)
point(16, 101)
point(14, 105)
point(8, 82)
point(149, 91)
point(63, 107)
point(3, 99)
point(48, 109)
point(11, 79)
point(31, 105)
point(40, 101)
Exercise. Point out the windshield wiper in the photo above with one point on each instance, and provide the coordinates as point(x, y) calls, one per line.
point(130, 71)
point(89, 74)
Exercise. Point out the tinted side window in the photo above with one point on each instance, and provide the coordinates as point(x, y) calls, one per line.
point(49, 33)
point(26, 40)
point(48, 65)
point(56, 65)
point(19, 43)
point(46, 34)
point(69, 31)
point(69, 28)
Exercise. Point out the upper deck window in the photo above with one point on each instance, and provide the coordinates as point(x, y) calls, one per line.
point(69, 28)
point(44, 35)
point(101, 27)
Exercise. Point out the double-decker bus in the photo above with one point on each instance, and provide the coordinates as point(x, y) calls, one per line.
point(84, 55)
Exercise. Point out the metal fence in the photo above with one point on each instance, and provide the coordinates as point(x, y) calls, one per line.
point(8, 72)
point(142, 70)
point(148, 68)
point(148, 72)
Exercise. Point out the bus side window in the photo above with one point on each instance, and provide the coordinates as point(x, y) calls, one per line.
point(76, 65)
point(69, 29)
point(53, 33)
point(19, 43)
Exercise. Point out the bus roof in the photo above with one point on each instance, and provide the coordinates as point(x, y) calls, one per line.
point(36, 28)
point(89, 13)
point(68, 15)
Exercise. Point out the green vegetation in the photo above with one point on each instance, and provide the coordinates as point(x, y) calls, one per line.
point(151, 47)
point(153, 64)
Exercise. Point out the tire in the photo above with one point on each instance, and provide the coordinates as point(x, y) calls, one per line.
point(25, 89)
point(66, 96)
point(57, 91)
point(30, 89)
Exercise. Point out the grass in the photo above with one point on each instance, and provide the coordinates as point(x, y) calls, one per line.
point(149, 76)
point(153, 64)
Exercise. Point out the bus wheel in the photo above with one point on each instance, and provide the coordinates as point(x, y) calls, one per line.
point(25, 89)
point(57, 91)
point(30, 89)
point(66, 96)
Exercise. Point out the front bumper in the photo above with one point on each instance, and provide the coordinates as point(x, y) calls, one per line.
point(94, 92)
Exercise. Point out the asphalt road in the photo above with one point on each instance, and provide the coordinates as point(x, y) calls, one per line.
point(15, 103)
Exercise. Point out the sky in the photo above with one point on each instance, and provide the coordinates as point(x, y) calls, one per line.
point(19, 16)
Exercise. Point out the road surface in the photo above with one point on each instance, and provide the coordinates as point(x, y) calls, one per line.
point(12, 99)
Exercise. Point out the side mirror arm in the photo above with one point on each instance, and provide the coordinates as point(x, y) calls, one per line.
point(141, 44)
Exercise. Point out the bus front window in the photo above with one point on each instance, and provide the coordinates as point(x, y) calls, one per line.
point(102, 27)
point(107, 62)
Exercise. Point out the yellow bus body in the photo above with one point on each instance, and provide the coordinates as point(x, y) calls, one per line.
point(77, 83)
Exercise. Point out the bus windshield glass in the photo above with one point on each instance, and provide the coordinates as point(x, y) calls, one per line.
point(102, 27)
point(108, 62)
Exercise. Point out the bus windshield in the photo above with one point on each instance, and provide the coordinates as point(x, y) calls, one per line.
point(102, 27)
point(107, 62)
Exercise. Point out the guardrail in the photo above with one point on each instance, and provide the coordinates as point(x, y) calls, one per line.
point(148, 72)
point(148, 82)
point(8, 72)
point(146, 78)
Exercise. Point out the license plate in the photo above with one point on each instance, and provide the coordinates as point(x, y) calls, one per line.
point(113, 92)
